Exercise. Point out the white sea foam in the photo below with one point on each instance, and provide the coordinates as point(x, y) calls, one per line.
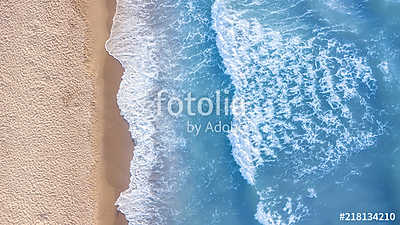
point(384, 67)
point(154, 173)
point(307, 105)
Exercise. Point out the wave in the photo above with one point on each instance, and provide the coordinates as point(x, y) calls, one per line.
point(164, 48)
point(136, 45)
point(308, 91)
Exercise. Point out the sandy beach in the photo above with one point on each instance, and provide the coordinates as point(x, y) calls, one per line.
point(64, 149)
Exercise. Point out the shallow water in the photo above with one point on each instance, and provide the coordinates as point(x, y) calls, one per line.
point(304, 116)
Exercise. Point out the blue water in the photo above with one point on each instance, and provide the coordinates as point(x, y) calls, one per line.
point(299, 117)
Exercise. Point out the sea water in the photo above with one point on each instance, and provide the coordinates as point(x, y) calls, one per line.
point(259, 112)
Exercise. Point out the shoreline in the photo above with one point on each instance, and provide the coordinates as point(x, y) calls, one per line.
point(113, 138)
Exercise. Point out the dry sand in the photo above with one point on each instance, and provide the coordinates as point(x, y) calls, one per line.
point(64, 149)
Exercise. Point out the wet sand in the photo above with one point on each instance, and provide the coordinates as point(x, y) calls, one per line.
point(115, 139)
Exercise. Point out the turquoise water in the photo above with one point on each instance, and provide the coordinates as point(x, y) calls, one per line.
point(259, 112)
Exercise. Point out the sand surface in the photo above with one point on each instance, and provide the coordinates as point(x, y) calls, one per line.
point(114, 139)
point(63, 147)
